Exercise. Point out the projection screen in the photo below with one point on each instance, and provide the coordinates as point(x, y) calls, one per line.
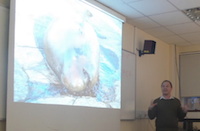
point(64, 65)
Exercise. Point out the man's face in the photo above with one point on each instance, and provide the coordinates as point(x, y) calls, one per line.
point(166, 88)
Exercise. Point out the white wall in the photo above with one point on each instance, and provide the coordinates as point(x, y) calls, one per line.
point(5, 3)
point(128, 37)
point(151, 70)
point(3, 61)
point(3, 58)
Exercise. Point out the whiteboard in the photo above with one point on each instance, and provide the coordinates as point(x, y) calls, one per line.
point(3, 59)
point(128, 86)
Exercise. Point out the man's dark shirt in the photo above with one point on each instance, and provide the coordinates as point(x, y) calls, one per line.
point(167, 113)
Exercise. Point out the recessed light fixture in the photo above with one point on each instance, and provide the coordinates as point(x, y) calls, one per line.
point(193, 13)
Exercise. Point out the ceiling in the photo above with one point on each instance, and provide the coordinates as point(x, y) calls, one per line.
point(162, 19)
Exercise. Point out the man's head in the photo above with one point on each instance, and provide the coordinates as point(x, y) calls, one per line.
point(166, 88)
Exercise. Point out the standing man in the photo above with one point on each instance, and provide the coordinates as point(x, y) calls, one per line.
point(166, 109)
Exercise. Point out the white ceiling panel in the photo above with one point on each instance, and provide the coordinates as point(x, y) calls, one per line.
point(144, 23)
point(197, 22)
point(152, 7)
point(160, 18)
point(182, 43)
point(184, 28)
point(114, 4)
point(128, 1)
point(130, 12)
point(195, 43)
point(170, 18)
point(121, 8)
point(159, 31)
point(185, 4)
point(173, 39)
point(193, 37)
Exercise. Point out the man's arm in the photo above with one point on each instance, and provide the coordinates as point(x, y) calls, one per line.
point(182, 111)
point(152, 110)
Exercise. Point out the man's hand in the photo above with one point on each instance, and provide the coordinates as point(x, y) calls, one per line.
point(152, 105)
point(185, 108)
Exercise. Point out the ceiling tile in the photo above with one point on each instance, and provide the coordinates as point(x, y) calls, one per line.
point(193, 37)
point(122, 8)
point(195, 42)
point(184, 28)
point(143, 23)
point(173, 39)
point(113, 4)
point(162, 19)
point(197, 22)
point(152, 7)
point(128, 1)
point(171, 18)
point(185, 4)
point(182, 44)
point(159, 31)
point(130, 12)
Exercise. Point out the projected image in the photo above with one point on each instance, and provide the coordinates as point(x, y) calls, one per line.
point(68, 53)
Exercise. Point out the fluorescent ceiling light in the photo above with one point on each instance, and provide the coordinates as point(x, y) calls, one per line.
point(193, 13)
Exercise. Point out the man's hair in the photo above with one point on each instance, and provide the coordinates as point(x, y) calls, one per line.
point(168, 82)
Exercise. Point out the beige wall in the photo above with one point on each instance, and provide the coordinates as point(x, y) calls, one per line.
point(192, 48)
point(151, 70)
point(2, 125)
point(5, 3)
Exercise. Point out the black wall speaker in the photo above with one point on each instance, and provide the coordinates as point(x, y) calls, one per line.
point(149, 47)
